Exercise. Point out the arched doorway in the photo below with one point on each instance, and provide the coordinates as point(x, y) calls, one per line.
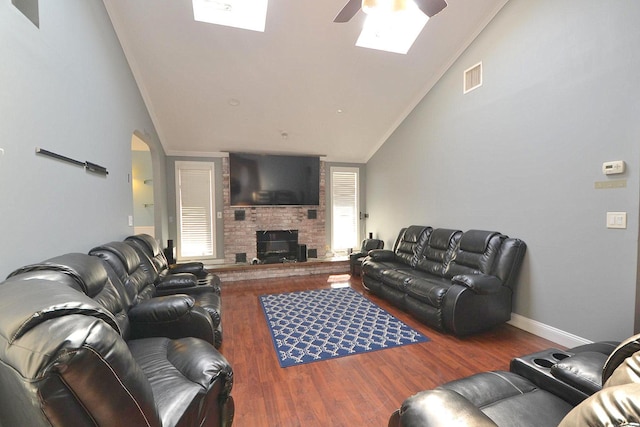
point(142, 187)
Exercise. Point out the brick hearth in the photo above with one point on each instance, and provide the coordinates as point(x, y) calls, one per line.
point(232, 273)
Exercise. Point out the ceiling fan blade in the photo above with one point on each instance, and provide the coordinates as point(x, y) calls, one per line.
point(431, 7)
point(348, 11)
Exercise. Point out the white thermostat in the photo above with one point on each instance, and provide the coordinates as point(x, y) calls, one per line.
point(612, 168)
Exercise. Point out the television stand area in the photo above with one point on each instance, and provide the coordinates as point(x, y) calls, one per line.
point(246, 271)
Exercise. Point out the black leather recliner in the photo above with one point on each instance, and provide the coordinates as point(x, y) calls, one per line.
point(68, 356)
point(138, 279)
point(506, 399)
point(573, 374)
point(168, 284)
point(175, 316)
point(151, 248)
point(356, 258)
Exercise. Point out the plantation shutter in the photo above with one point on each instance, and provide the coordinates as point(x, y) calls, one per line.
point(195, 201)
point(344, 208)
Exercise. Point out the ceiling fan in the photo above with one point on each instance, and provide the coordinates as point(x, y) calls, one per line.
point(428, 7)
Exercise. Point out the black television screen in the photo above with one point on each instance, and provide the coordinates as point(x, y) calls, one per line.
point(263, 179)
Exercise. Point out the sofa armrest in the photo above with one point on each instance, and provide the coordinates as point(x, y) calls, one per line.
point(183, 283)
point(582, 371)
point(173, 316)
point(161, 309)
point(482, 284)
point(354, 256)
point(382, 255)
point(439, 408)
point(187, 267)
point(177, 281)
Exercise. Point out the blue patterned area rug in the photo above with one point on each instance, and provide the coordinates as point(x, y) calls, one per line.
point(322, 324)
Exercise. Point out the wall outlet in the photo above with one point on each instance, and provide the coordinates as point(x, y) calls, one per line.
point(616, 220)
point(130, 220)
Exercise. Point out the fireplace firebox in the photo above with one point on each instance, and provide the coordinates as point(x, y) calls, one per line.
point(274, 246)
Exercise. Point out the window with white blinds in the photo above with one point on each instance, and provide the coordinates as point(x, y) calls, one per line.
point(195, 207)
point(344, 208)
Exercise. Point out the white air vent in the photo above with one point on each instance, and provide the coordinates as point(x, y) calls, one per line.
point(473, 77)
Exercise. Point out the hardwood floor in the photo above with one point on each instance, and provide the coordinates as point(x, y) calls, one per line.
point(359, 390)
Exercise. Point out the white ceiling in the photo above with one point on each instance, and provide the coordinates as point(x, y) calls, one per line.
point(293, 78)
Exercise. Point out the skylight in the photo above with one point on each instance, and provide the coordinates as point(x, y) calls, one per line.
point(245, 14)
point(392, 32)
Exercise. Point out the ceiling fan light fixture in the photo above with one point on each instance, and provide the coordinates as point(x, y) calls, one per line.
point(388, 7)
point(392, 32)
point(383, 6)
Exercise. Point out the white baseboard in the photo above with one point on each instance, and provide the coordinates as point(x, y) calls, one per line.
point(545, 331)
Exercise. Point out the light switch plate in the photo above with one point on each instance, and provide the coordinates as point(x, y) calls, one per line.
point(616, 220)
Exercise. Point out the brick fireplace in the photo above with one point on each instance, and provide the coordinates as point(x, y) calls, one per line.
point(276, 246)
point(242, 223)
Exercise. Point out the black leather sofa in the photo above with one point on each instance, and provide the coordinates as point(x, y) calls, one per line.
point(507, 399)
point(135, 270)
point(78, 347)
point(452, 281)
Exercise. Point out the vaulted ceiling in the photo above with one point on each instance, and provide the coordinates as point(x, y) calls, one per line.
point(301, 87)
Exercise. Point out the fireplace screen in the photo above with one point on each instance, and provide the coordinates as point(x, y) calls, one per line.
point(277, 245)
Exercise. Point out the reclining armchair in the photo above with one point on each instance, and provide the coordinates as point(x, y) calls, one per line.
point(150, 247)
point(67, 360)
point(175, 316)
point(356, 258)
point(138, 279)
point(502, 398)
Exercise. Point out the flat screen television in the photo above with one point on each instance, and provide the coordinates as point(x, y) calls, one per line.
point(272, 180)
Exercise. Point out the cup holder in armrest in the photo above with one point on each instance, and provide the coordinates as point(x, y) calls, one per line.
point(536, 368)
point(545, 363)
point(541, 361)
point(548, 360)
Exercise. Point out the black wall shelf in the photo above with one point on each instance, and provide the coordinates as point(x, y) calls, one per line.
point(88, 166)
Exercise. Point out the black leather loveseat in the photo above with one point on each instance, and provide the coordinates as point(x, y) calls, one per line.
point(452, 281)
point(80, 347)
point(610, 381)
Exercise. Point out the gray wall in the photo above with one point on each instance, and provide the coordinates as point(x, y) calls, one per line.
point(67, 88)
point(521, 155)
